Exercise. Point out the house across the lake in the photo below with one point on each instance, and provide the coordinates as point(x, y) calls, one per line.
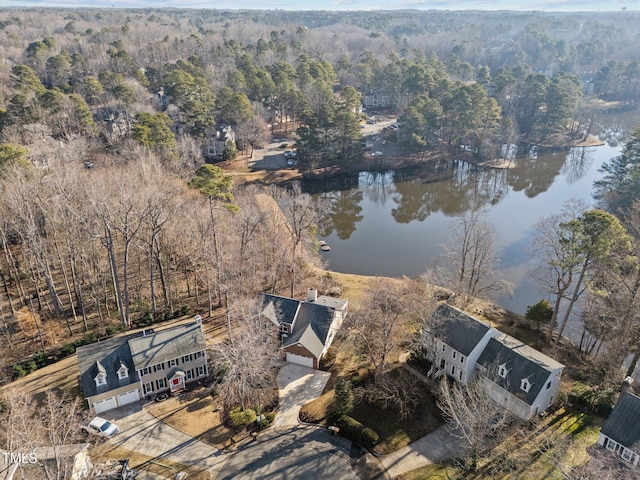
point(124, 370)
point(521, 379)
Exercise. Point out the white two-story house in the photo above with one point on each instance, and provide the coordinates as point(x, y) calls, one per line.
point(124, 370)
point(521, 379)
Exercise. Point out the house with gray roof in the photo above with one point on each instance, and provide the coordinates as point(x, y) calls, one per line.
point(620, 433)
point(523, 380)
point(124, 370)
point(520, 378)
point(307, 328)
point(456, 342)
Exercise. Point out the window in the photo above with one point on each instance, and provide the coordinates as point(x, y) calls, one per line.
point(453, 370)
point(548, 385)
point(101, 379)
point(626, 454)
point(502, 371)
point(460, 375)
point(148, 388)
point(444, 347)
point(161, 383)
point(145, 371)
point(611, 445)
point(461, 358)
point(173, 363)
point(525, 385)
point(123, 372)
point(454, 354)
point(159, 367)
point(190, 374)
point(200, 370)
point(284, 328)
point(185, 359)
point(199, 354)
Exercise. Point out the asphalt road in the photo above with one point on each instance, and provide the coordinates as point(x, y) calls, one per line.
point(302, 453)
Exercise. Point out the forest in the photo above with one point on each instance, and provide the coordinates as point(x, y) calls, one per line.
point(112, 215)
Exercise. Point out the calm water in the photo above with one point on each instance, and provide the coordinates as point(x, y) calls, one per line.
point(394, 223)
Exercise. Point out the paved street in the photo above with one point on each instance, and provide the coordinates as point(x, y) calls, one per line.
point(301, 453)
point(142, 432)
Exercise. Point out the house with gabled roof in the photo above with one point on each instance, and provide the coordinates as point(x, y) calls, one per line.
point(457, 341)
point(518, 377)
point(620, 433)
point(307, 328)
point(124, 370)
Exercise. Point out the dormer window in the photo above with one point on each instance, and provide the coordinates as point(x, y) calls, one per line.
point(284, 328)
point(502, 370)
point(123, 372)
point(101, 379)
point(525, 385)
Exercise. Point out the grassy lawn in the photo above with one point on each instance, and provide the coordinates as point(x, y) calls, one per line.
point(542, 450)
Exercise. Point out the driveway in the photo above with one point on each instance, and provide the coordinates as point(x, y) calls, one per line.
point(300, 453)
point(143, 433)
point(297, 386)
point(434, 447)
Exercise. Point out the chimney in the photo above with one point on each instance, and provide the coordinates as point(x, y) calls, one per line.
point(312, 295)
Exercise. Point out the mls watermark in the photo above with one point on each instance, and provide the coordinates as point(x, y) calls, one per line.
point(13, 458)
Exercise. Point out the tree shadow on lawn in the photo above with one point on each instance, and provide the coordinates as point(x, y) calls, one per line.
point(396, 432)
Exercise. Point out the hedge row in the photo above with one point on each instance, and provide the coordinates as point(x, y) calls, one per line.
point(357, 432)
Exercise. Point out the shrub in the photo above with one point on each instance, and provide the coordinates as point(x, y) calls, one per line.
point(41, 359)
point(242, 417)
point(581, 394)
point(18, 371)
point(110, 330)
point(68, 349)
point(355, 431)
point(343, 397)
point(89, 337)
point(30, 366)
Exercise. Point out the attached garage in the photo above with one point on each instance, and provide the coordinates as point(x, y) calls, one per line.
point(104, 405)
point(299, 360)
point(128, 397)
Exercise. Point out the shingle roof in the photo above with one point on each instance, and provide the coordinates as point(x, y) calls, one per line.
point(166, 345)
point(105, 356)
point(310, 320)
point(521, 361)
point(279, 309)
point(623, 424)
point(460, 331)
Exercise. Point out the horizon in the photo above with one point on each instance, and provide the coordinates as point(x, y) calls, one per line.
point(552, 6)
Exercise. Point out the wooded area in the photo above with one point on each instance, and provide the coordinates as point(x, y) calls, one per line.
point(110, 219)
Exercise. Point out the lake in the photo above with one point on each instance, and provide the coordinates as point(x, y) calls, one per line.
point(394, 223)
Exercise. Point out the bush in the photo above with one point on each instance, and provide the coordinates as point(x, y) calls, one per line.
point(242, 417)
point(355, 431)
point(18, 371)
point(343, 397)
point(110, 330)
point(68, 349)
point(581, 394)
point(30, 366)
point(41, 359)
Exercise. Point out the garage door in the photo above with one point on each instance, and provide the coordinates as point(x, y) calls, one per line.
point(300, 360)
point(104, 405)
point(128, 397)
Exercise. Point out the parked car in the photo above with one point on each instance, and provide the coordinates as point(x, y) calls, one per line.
point(292, 163)
point(101, 427)
point(290, 154)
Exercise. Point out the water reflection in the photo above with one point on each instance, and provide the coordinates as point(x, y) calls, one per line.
point(393, 223)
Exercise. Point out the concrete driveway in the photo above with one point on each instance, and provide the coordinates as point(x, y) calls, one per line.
point(300, 453)
point(435, 447)
point(297, 386)
point(143, 433)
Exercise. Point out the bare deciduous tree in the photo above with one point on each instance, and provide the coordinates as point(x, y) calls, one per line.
point(247, 365)
point(474, 260)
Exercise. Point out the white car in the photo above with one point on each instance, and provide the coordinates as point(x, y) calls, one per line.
point(100, 426)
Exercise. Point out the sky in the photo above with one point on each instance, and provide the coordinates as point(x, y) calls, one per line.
point(519, 5)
